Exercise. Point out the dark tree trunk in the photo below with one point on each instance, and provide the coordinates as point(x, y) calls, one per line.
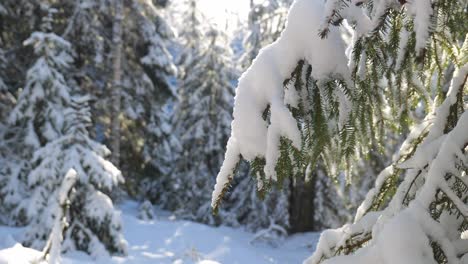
point(116, 95)
point(301, 205)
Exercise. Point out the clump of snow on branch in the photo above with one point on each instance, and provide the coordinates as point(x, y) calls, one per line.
point(365, 22)
point(261, 86)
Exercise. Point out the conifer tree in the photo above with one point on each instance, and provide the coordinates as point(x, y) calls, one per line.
point(54, 123)
point(201, 117)
point(202, 121)
point(406, 60)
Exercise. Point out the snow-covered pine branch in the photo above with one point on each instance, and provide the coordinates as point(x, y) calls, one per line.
point(440, 65)
point(263, 115)
point(429, 196)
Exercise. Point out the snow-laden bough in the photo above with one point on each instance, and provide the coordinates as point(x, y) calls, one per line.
point(261, 86)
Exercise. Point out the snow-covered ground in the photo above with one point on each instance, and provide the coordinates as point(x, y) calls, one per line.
point(169, 240)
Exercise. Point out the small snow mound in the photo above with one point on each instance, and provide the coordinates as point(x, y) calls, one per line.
point(402, 240)
point(464, 235)
point(19, 255)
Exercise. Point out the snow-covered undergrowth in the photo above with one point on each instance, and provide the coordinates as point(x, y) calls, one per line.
point(168, 240)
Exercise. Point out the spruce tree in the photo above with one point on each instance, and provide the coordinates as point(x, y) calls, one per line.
point(201, 117)
point(407, 71)
point(204, 108)
point(54, 122)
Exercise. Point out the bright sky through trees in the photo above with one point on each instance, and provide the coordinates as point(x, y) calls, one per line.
point(226, 13)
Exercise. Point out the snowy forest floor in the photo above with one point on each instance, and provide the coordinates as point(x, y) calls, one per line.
point(169, 240)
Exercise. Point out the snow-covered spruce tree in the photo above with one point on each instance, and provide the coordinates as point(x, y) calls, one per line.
point(406, 59)
point(147, 65)
point(202, 118)
point(54, 125)
point(28, 127)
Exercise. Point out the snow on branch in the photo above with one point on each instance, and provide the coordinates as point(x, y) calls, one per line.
point(52, 250)
point(419, 10)
point(261, 88)
point(434, 215)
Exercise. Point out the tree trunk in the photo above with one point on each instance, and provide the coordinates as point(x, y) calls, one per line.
point(116, 82)
point(301, 205)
